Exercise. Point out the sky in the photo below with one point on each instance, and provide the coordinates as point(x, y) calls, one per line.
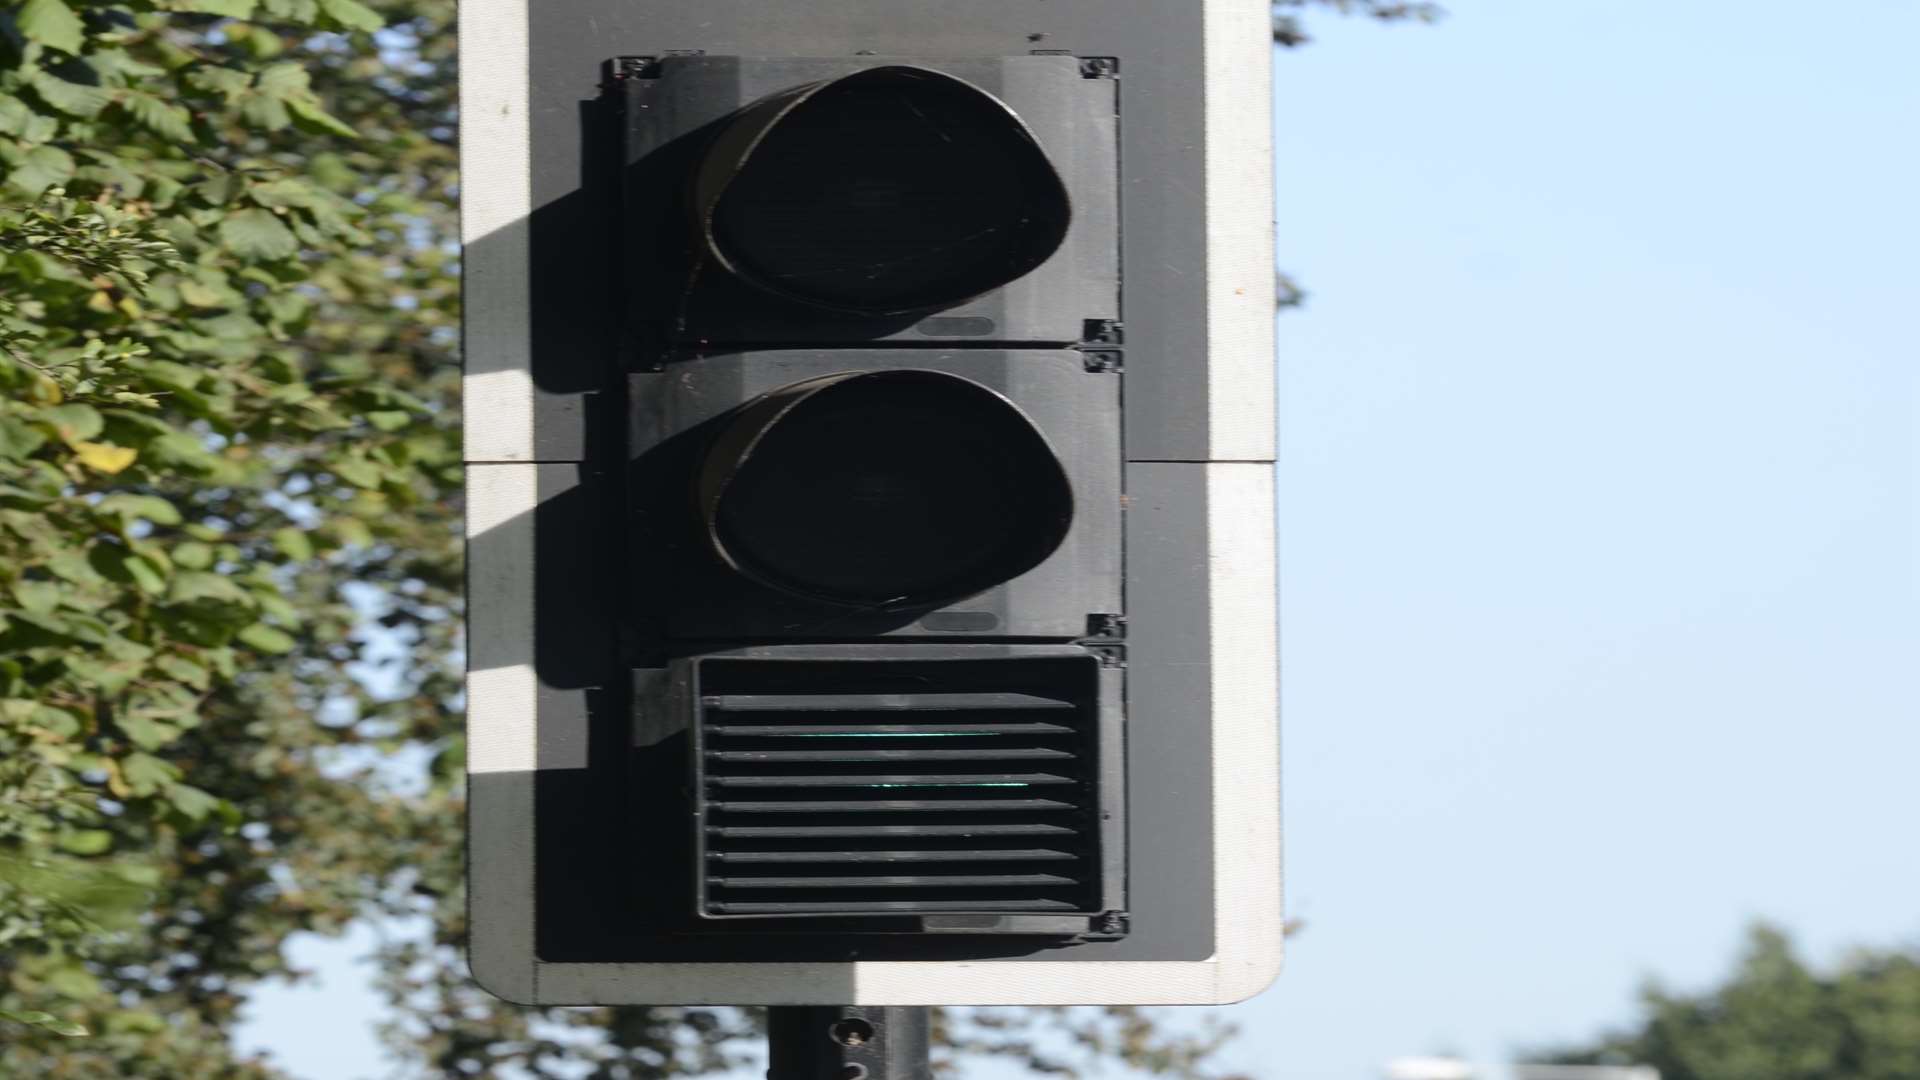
point(1598, 523)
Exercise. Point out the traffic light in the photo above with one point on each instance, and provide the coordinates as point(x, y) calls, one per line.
point(870, 502)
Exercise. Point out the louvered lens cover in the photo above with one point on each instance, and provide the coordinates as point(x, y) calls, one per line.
point(907, 788)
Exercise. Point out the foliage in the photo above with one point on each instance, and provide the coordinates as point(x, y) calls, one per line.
point(1776, 1019)
point(224, 394)
point(229, 564)
point(1288, 29)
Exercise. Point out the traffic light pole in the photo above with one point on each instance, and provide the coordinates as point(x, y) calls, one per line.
point(847, 1042)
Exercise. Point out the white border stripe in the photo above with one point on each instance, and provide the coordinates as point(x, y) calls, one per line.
point(501, 726)
point(500, 679)
point(1243, 585)
point(496, 197)
point(1240, 274)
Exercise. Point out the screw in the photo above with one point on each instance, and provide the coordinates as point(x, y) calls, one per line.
point(851, 1032)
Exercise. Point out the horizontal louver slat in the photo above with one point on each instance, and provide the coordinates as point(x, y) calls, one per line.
point(951, 730)
point(984, 753)
point(877, 702)
point(885, 780)
point(966, 855)
point(882, 907)
point(912, 806)
point(893, 881)
point(835, 832)
point(807, 798)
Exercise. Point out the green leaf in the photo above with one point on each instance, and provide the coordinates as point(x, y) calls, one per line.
point(210, 591)
point(260, 41)
point(146, 774)
point(109, 895)
point(276, 607)
point(222, 661)
point(193, 555)
point(40, 168)
point(266, 639)
point(352, 14)
point(135, 1022)
point(14, 115)
point(283, 80)
point(74, 566)
point(123, 649)
point(229, 83)
point(283, 193)
point(35, 1018)
point(132, 507)
point(71, 98)
point(38, 597)
point(108, 679)
point(59, 722)
point(73, 981)
point(193, 803)
point(18, 439)
point(22, 499)
point(265, 112)
point(180, 450)
point(116, 563)
point(179, 667)
point(163, 118)
point(232, 9)
point(358, 472)
point(85, 841)
point(150, 578)
point(257, 234)
point(199, 295)
point(293, 543)
point(51, 23)
point(146, 732)
point(351, 531)
point(73, 421)
point(310, 115)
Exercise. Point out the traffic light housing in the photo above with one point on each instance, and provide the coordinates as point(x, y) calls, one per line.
point(862, 586)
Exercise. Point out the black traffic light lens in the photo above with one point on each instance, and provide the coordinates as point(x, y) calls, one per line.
point(888, 489)
point(891, 191)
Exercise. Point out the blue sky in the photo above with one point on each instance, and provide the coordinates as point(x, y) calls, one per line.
point(1599, 555)
point(1598, 512)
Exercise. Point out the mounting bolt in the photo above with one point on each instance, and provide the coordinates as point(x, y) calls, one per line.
point(636, 67)
point(1101, 359)
point(1099, 67)
point(1102, 332)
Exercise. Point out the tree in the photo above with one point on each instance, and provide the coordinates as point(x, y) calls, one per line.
point(229, 554)
point(1777, 1019)
point(225, 399)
